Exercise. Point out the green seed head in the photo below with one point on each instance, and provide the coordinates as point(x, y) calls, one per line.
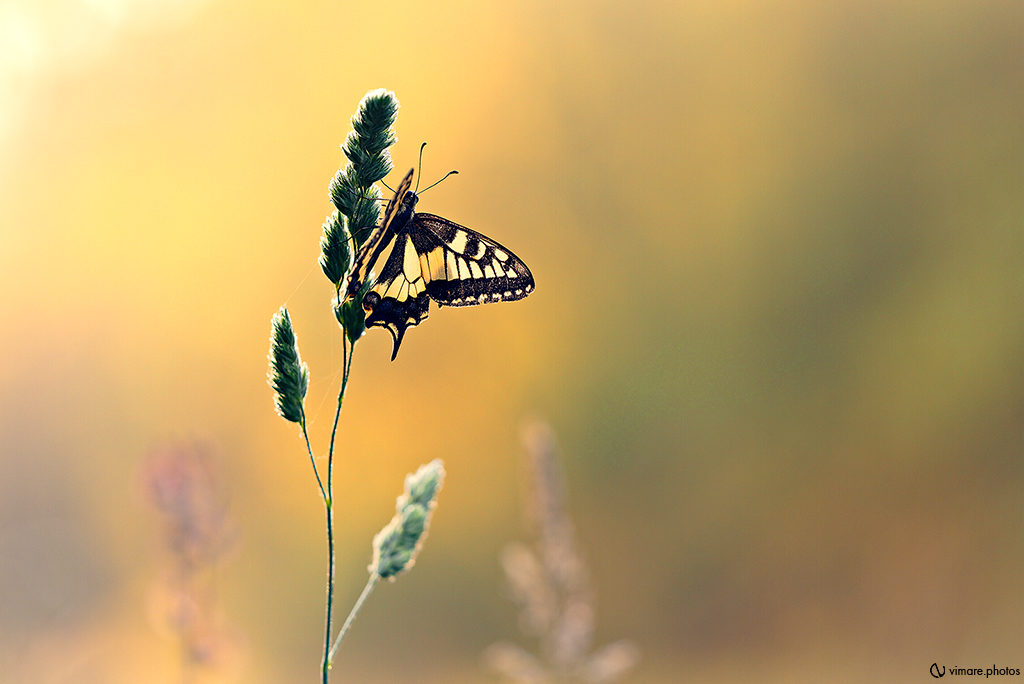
point(396, 546)
point(288, 375)
point(335, 248)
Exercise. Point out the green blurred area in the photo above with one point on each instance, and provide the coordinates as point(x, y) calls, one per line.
point(778, 329)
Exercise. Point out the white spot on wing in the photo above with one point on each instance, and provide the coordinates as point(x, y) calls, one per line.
point(474, 268)
point(501, 255)
point(458, 242)
point(463, 269)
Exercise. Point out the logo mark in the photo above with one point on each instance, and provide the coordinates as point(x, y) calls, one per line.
point(936, 672)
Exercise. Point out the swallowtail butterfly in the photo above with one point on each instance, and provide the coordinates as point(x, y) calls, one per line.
point(419, 257)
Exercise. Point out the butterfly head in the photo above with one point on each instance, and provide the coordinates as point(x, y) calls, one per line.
point(409, 201)
point(406, 208)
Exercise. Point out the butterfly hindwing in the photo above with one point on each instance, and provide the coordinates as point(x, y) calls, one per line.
point(398, 298)
point(463, 267)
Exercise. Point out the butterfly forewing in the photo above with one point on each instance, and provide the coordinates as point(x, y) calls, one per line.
point(464, 268)
point(380, 240)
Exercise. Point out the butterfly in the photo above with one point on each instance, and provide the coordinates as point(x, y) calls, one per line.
point(419, 257)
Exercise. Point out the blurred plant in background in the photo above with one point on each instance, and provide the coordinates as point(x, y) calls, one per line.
point(182, 484)
point(550, 583)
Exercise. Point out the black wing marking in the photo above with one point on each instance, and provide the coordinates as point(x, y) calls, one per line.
point(461, 267)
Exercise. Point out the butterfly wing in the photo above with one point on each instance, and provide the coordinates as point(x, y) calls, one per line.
point(380, 241)
point(398, 298)
point(461, 267)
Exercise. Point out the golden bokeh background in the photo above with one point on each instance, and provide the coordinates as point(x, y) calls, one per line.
point(778, 329)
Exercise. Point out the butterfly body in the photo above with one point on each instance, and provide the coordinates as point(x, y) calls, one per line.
point(419, 257)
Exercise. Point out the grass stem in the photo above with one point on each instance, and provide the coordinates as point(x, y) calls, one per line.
point(347, 352)
point(370, 584)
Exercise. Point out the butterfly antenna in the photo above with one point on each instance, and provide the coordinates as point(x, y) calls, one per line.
point(386, 186)
point(450, 173)
point(362, 230)
point(419, 169)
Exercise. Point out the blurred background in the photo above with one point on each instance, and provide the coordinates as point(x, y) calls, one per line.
point(778, 333)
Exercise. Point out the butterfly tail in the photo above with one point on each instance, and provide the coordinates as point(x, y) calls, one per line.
point(394, 316)
point(398, 341)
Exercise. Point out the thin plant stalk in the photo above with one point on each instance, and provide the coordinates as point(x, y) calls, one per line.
point(370, 584)
point(312, 460)
point(346, 365)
